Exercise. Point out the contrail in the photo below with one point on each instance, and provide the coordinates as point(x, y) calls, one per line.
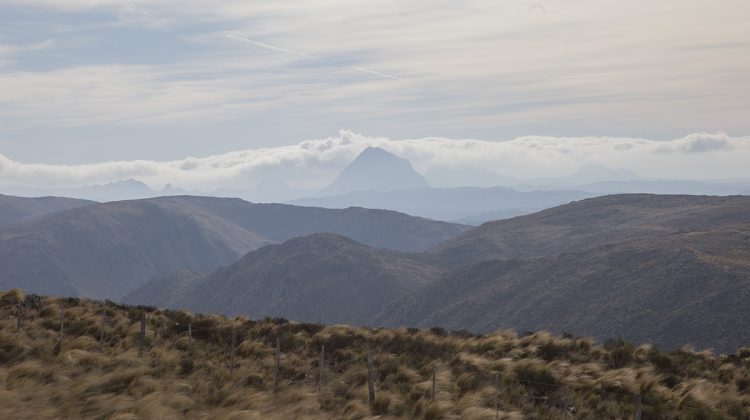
point(375, 72)
point(306, 56)
point(271, 47)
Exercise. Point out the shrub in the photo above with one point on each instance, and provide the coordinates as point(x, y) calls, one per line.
point(438, 331)
point(186, 366)
point(536, 377)
point(381, 404)
point(620, 353)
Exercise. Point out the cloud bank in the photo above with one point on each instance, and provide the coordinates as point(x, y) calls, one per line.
point(313, 163)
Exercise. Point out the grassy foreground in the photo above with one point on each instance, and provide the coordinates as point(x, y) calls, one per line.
point(499, 375)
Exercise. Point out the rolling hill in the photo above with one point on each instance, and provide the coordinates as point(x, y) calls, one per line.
point(322, 277)
point(110, 249)
point(679, 289)
point(592, 222)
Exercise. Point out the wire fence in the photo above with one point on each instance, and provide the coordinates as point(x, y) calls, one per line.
point(555, 398)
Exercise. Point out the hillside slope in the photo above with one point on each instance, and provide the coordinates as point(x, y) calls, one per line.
point(686, 288)
point(592, 222)
point(95, 371)
point(14, 210)
point(318, 277)
point(166, 292)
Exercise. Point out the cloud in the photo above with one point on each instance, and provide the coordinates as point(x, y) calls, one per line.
point(7, 49)
point(697, 143)
point(313, 163)
point(492, 66)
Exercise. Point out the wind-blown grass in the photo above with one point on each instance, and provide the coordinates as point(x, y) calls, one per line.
point(534, 376)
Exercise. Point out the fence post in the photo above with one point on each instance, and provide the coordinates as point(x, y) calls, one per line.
point(638, 407)
point(497, 391)
point(276, 365)
point(433, 381)
point(322, 363)
point(101, 334)
point(62, 323)
point(567, 403)
point(231, 354)
point(143, 335)
point(370, 384)
point(190, 339)
point(18, 317)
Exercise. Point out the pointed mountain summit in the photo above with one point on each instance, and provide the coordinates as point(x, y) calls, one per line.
point(376, 170)
point(596, 172)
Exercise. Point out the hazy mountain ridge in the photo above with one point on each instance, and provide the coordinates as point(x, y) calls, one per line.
point(127, 189)
point(109, 249)
point(14, 210)
point(450, 203)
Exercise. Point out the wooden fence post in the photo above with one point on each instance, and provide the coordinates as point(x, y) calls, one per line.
point(276, 365)
point(370, 378)
point(434, 374)
point(142, 341)
point(638, 407)
point(231, 354)
point(62, 323)
point(101, 334)
point(190, 339)
point(322, 364)
point(18, 317)
point(497, 409)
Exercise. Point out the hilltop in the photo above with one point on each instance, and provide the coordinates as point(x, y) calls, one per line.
point(497, 375)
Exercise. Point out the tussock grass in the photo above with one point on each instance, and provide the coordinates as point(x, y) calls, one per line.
point(477, 377)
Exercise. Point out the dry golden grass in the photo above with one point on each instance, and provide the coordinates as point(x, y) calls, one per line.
point(493, 376)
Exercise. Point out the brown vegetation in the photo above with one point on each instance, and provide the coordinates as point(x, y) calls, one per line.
point(534, 376)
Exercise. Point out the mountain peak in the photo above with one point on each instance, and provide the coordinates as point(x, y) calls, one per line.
point(595, 171)
point(375, 152)
point(375, 169)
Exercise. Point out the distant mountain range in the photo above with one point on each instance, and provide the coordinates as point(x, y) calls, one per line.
point(652, 186)
point(671, 270)
point(119, 190)
point(470, 205)
point(107, 250)
point(379, 179)
point(373, 181)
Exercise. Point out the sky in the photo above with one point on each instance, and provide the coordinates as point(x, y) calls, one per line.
point(93, 91)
